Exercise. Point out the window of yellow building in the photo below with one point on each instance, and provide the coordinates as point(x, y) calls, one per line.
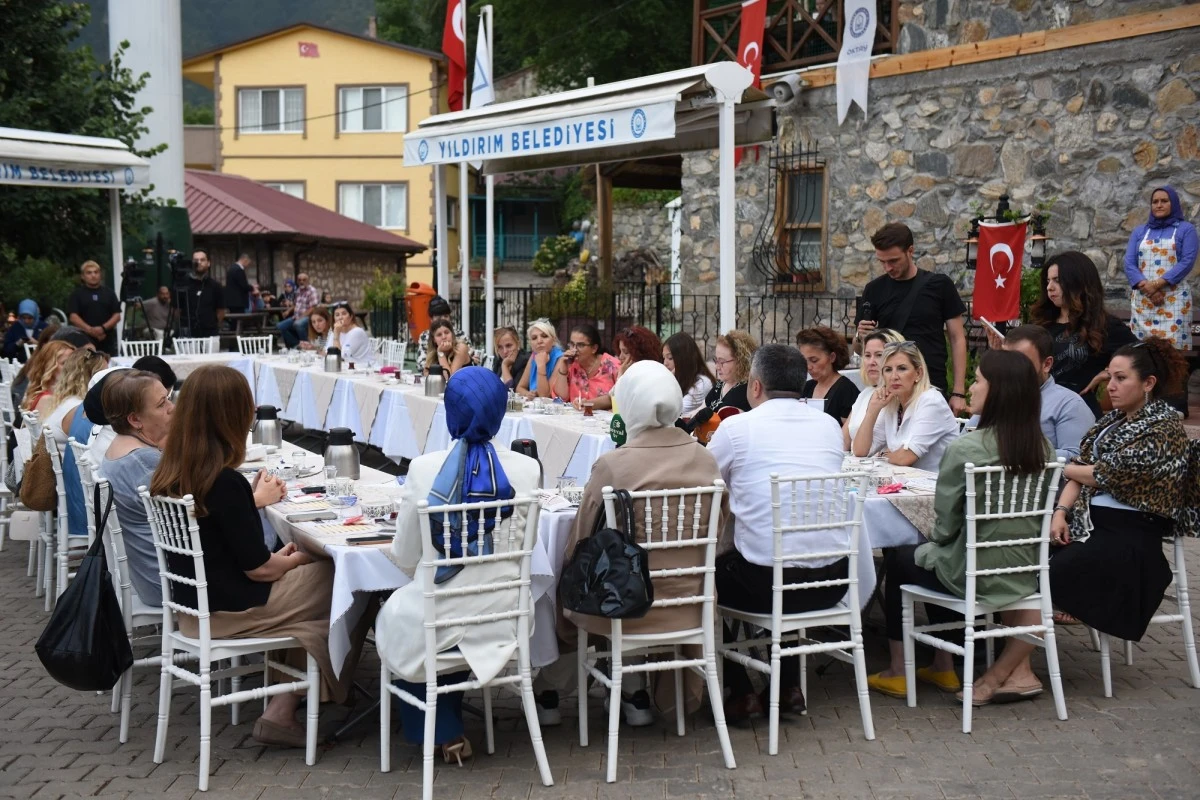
point(384, 205)
point(364, 109)
point(271, 110)
point(294, 188)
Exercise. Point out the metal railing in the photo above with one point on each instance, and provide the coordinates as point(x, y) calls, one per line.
point(510, 246)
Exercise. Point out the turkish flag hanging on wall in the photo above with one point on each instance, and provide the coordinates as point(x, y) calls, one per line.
point(454, 45)
point(754, 20)
point(998, 260)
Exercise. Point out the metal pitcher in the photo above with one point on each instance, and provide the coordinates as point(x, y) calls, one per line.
point(266, 428)
point(435, 382)
point(341, 453)
point(333, 360)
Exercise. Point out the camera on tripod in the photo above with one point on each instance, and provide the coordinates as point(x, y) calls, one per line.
point(132, 276)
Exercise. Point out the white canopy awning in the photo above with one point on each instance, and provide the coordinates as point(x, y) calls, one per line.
point(34, 158)
point(674, 112)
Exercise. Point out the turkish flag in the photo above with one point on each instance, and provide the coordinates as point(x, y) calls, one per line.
point(754, 20)
point(454, 45)
point(999, 254)
point(309, 50)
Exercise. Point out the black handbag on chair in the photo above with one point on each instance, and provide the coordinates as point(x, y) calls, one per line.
point(608, 575)
point(85, 645)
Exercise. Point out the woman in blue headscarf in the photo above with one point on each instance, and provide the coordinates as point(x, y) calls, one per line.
point(472, 471)
point(25, 330)
point(1158, 260)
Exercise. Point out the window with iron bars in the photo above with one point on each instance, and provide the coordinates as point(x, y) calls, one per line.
point(789, 251)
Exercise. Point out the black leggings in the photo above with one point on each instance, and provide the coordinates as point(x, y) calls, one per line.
point(901, 569)
point(747, 587)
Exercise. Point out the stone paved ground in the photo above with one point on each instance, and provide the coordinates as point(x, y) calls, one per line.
point(1143, 743)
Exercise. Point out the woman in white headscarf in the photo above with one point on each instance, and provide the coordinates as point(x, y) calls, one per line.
point(656, 455)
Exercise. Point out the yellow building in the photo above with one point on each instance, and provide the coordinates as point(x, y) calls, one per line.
point(321, 114)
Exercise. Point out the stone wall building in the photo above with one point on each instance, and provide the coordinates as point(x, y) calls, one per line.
point(1090, 129)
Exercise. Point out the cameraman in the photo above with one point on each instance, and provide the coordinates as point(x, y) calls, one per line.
point(202, 308)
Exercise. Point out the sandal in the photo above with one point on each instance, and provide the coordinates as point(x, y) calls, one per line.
point(457, 750)
point(1063, 618)
point(982, 694)
point(272, 733)
point(1015, 693)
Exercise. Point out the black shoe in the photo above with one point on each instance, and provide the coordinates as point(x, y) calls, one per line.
point(547, 709)
point(739, 710)
point(791, 701)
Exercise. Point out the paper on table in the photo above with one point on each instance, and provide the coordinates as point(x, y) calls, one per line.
point(308, 499)
point(339, 529)
point(549, 501)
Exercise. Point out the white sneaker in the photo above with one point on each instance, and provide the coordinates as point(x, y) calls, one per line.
point(547, 709)
point(635, 708)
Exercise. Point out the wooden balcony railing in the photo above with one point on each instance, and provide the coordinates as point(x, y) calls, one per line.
point(799, 33)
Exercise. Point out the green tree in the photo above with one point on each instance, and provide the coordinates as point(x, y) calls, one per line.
point(46, 84)
point(567, 41)
point(197, 114)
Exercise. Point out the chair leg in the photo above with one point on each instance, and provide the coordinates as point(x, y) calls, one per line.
point(614, 704)
point(488, 721)
point(800, 635)
point(581, 686)
point(859, 656)
point(1128, 653)
point(1050, 642)
point(531, 718)
point(205, 726)
point(126, 703)
point(313, 703)
point(968, 674)
point(63, 568)
point(30, 566)
point(990, 643)
point(680, 724)
point(716, 700)
point(385, 719)
point(910, 649)
point(1095, 637)
point(164, 709)
point(773, 697)
point(235, 685)
point(1106, 665)
point(427, 746)
point(1185, 610)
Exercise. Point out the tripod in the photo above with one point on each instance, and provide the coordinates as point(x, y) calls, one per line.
point(128, 315)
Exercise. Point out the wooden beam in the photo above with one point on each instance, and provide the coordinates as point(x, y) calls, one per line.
point(1022, 45)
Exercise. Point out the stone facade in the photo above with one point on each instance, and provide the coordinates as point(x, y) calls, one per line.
point(930, 24)
point(642, 225)
point(1094, 128)
point(344, 272)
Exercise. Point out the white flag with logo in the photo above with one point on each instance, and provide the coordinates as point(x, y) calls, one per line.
point(482, 90)
point(854, 61)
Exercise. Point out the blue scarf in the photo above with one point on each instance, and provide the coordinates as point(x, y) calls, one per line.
point(475, 404)
point(1176, 215)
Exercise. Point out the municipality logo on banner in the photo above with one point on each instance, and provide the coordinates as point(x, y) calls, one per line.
point(854, 61)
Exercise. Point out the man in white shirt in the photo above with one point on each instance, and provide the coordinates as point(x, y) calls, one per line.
point(780, 434)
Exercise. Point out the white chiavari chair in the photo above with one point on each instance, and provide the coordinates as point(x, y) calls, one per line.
point(173, 524)
point(151, 347)
point(829, 506)
point(255, 345)
point(686, 526)
point(1004, 496)
point(206, 345)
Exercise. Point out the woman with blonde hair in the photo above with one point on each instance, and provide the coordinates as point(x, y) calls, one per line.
point(545, 352)
point(251, 591)
point(732, 357)
point(908, 421)
point(42, 371)
point(871, 371)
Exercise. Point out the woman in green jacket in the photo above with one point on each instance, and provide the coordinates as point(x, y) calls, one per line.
point(1006, 396)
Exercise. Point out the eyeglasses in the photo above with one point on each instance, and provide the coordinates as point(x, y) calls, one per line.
point(723, 361)
point(577, 345)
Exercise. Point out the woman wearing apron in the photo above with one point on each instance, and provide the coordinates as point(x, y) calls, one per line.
point(1158, 261)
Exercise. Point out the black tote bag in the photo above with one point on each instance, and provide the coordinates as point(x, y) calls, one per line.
point(609, 573)
point(85, 645)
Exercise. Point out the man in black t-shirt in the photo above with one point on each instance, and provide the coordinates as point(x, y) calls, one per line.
point(95, 309)
point(923, 306)
point(203, 305)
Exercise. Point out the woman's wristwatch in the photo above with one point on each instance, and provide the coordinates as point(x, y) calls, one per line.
point(1063, 509)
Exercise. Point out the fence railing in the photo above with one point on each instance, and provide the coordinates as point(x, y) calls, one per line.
point(510, 246)
point(666, 309)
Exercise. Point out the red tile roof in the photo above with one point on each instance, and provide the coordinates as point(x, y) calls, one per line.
point(230, 205)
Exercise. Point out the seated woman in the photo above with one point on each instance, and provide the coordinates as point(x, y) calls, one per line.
point(656, 455)
point(1006, 394)
point(633, 345)
point(544, 355)
point(732, 357)
point(682, 356)
point(510, 359)
point(907, 421)
point(1124, 493)
point(871, 371)
point(72, 384)
point(825, 352)
point(585, 372)
point(320, 326)
point(25, 330)
point(445, 350)
point(472, 471)
point(349, 337)
point(42, 371)
point(251, 591)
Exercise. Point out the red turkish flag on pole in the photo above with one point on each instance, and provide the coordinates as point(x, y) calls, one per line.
point(999, 254)
point(454, 45)
point(754, 20)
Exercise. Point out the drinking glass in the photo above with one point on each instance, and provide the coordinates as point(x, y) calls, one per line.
point(564, 482)
point(330, 476)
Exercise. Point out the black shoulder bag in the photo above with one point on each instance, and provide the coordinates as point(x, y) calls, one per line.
point(609, 572)
point(906, 307)
point(85, 645)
